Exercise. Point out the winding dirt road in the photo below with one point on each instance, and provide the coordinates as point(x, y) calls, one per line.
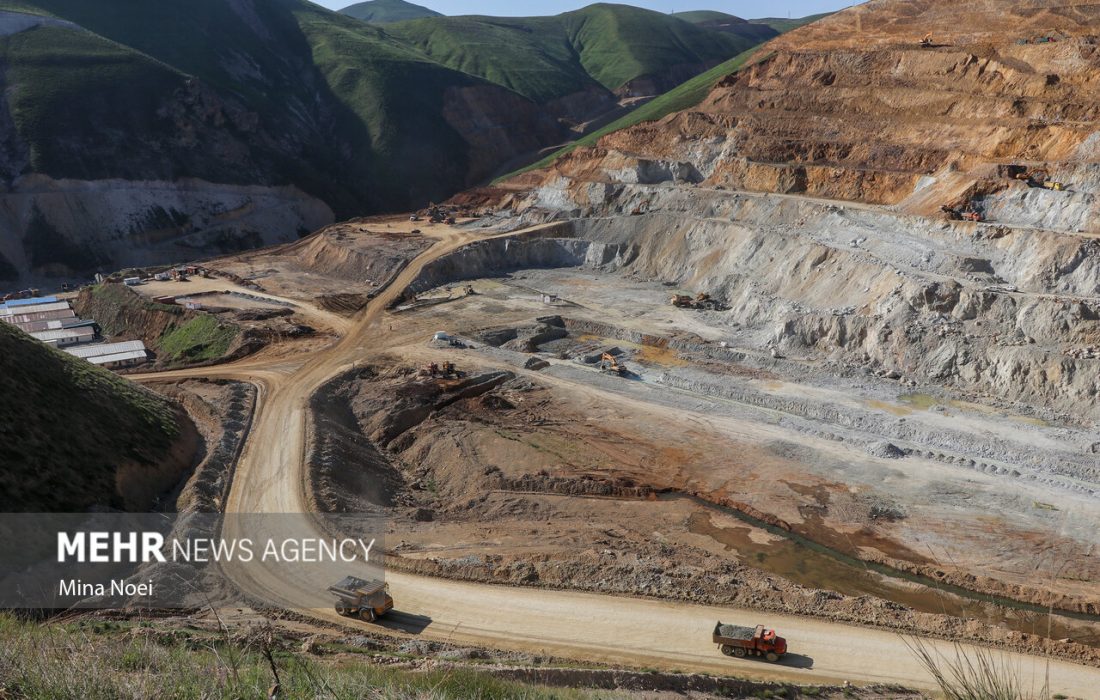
point(270, 478)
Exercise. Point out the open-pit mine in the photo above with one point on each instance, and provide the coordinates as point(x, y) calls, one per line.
point(820, 351)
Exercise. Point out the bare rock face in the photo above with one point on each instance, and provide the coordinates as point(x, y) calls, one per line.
point(998, 114)
point(853, 107)
point(70, 228)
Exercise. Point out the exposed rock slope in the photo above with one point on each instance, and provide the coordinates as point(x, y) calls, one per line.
point(852, 108)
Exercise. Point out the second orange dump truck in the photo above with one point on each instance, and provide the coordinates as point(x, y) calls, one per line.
point(735, 640)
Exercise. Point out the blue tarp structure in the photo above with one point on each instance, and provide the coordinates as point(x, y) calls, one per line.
point(28, 302)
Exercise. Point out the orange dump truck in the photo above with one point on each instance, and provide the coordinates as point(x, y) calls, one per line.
point(735, 640)
point(356, 597)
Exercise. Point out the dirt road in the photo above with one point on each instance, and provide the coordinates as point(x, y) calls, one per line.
point(270, 478)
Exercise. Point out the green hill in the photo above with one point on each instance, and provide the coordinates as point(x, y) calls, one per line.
point(784, 25)
point(358, 118)
point(721, 22)
point(602, 45)
point(699, 16)
point(73, 435)
point(296, 95)
point(385, 11)
point(771, 26)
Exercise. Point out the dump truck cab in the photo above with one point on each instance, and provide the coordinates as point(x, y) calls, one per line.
point(362, 598)
point(741, 641)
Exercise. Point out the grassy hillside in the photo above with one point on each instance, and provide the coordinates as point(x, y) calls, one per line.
point(544, 58)
point(365, 117)
point(67, 427)
point(697, 16)
point(784, 25)
point(680, 98)
point(145, 660)
point(722, 22)
point(64, 83)
point(385, 11)
point(176, 335)
point(288, 94)
point(780, 24)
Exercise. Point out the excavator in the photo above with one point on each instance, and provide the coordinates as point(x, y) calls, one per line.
point(1041, 179)
point(926, 42)
point(610, 364)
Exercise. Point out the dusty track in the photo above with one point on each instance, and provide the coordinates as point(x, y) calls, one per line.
point(270, 478)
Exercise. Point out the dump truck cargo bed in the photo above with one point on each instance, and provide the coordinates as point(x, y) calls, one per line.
point(736, 632)
point(354, 587)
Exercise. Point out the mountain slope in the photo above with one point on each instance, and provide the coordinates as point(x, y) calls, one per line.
point(386, 11)
point(73, 435)
point(683, 96)
point(754, 31)
point(133, 133)
point(164, 131)
point(852, 107)
point(614, 47)
point(784, 25)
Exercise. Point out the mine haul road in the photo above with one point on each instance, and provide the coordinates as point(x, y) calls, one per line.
point(634, 632)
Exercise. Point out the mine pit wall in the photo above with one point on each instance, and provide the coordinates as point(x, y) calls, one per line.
point(549, 247)
point(861, 287)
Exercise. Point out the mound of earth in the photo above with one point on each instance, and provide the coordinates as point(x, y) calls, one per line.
point(73, 435)
point(854, 107)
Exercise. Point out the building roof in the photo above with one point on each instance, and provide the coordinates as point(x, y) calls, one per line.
point(118, 357)
point(37, 307)
point(104, 349)
point(27, 302)
point(39, 316)
point(63, 334)
point(50, 324)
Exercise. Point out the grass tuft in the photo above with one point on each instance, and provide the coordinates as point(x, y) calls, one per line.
point(118, 662)
point(973, 673)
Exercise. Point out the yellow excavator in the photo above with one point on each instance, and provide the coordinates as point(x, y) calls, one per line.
point(610, 364)
point(926, 42)
point(1040, 178)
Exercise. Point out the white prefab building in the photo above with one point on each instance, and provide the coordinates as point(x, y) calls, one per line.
point(65, 336)
point(112, 355)
point(122, 359)
point(107, 349)
point(59, 315)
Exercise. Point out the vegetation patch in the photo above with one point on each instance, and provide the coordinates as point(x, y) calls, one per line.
point(177, 336)
point(544, 58)
point(66, 426)
point(124, 660)
point(201, 339)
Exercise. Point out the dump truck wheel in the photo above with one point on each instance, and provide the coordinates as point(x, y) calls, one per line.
point(772, 656)
point(368, 614)
point(727, 650)
point(740, 652)
point(341, 610)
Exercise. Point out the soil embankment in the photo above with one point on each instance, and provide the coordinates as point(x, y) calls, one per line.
point(430, 451)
